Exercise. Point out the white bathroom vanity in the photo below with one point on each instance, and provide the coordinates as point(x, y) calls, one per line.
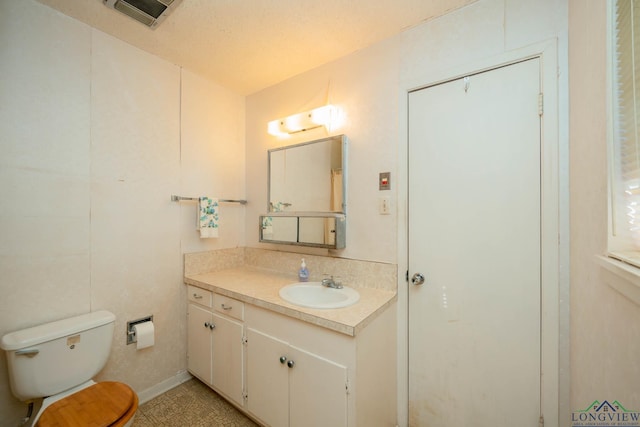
point(285, 365)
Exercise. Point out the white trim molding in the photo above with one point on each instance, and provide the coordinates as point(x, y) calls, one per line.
point(625, 278)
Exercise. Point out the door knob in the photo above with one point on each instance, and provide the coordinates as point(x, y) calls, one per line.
point(417, 279)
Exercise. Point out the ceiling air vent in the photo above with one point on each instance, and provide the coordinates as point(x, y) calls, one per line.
point(149, 12)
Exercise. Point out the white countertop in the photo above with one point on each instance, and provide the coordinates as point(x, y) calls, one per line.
point(260, 287)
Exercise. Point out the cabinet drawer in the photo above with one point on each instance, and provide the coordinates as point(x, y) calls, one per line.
point(199, 296)
point(229, 306)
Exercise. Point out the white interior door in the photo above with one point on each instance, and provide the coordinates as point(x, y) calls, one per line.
point(474, 233)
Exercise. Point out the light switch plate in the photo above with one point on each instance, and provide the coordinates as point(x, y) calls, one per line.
point(384, 206)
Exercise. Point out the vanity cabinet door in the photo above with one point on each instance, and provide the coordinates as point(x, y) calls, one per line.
point(317, 391)
point(199, 342)
point(228, 359)
point(289, 386)
point(267, 378)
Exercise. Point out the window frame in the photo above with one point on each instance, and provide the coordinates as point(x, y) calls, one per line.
point(622, 259)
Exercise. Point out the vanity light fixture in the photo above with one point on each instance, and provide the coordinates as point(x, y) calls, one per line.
point(321, 116)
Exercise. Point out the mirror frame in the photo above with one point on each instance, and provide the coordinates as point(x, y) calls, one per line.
point(340, 216)
point(339, 236)
point(343, 141)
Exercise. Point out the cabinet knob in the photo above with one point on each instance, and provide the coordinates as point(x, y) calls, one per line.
point(283, 359)
point(290, 363)
point(209, 325)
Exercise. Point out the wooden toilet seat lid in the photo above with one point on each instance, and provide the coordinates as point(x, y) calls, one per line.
point(106, 403)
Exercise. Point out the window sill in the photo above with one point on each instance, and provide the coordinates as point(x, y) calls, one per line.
point(625, 278)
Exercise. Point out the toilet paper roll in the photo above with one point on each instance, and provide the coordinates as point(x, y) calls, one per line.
point(144, 334)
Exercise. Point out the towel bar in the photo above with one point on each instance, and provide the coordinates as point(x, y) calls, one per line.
point(178, 198)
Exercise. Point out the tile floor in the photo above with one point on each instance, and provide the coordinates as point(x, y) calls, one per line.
point(191, 404)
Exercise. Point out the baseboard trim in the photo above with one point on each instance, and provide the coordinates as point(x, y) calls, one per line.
point(156, 390)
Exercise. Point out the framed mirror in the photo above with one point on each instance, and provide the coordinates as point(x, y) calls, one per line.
point(307, 189)
point(308, 177)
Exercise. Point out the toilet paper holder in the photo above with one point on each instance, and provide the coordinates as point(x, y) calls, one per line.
point(131, 333)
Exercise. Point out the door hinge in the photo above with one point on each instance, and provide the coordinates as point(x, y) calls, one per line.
point(346, 387)
point(245, 395)
point(244, 340)
point(406, 276)
point(541, 421)
point(540, 104)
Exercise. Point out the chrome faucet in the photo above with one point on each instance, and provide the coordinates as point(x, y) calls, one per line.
point(331, 283)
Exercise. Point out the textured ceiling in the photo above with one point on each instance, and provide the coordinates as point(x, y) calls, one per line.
point(247, 45)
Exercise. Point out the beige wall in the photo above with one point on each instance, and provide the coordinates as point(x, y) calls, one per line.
point(96, 136)
point(605, 326)
point(364, 86)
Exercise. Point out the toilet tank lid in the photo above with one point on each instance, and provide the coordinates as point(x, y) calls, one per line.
point(58, 329)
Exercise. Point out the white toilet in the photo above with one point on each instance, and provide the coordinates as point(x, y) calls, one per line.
point(57, 361)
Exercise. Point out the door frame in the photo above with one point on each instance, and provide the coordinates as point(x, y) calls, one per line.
point(554, 232)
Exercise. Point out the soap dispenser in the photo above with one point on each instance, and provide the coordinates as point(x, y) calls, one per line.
point(303, 273)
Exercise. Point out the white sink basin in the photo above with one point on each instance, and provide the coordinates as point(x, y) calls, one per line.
point(314, 295)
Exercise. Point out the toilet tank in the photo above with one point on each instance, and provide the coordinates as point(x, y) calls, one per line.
point(53, 357)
